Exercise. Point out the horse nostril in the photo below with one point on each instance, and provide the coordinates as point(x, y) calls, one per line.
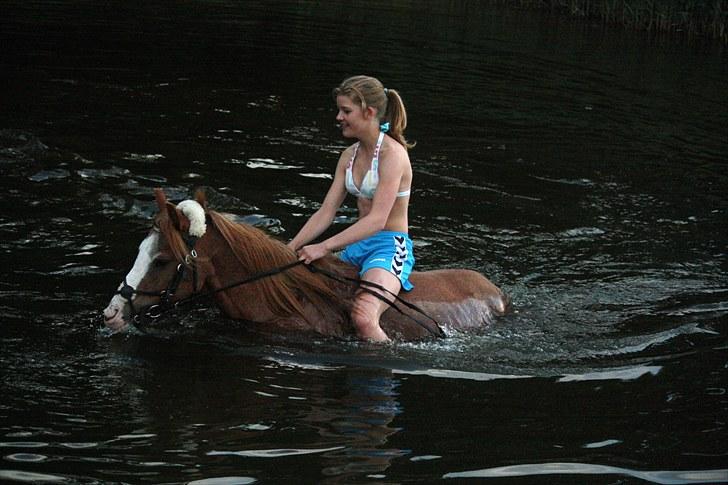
point(108, 317)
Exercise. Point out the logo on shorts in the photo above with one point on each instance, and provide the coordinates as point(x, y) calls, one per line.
point(400, 255)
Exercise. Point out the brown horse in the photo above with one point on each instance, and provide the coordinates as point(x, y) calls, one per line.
point(252, 277)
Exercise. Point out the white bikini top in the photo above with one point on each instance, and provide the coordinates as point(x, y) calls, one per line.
point(371, 178)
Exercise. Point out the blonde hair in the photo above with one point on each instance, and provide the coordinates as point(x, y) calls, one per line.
point(369, 91)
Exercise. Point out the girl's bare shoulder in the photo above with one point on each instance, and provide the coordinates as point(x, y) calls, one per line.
point(394, 151)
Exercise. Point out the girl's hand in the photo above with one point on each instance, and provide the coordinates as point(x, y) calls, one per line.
point(312, 252)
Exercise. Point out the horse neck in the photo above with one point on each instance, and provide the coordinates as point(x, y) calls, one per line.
point(272, 297)
point(239, 302)
point(245, 250)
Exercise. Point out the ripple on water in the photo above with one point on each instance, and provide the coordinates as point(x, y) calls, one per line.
point(144, 157)
point(602, 444)
point(23, 444)
point(587, 469)
point(102, 175)
point(26, 457)
point(223, 481)
point(30, 477)
point(269, 164)
point(46, 175)
point(275, 453)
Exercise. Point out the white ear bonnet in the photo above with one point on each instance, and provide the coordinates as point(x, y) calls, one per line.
point(196, 214)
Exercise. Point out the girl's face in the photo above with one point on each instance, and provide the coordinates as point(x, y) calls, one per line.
point(351, 118)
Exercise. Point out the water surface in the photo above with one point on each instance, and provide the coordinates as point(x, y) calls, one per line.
point(582, 170)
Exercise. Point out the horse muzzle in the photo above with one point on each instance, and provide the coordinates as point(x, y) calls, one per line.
point(114, 314)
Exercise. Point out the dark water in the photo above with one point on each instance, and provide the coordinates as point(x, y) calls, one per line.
point(583, 170)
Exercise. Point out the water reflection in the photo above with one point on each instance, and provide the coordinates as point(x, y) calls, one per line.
point(237, 413)
point(364, 421)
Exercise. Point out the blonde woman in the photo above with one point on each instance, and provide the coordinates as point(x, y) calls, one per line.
point(377, 171)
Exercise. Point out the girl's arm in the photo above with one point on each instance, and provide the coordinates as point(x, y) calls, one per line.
point(324, 216)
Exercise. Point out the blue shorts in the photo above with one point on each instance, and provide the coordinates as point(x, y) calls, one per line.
point(388, 250)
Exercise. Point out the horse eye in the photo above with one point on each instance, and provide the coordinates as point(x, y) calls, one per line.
point(160, 262)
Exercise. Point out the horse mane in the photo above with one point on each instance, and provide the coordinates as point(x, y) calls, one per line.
point(283, 292)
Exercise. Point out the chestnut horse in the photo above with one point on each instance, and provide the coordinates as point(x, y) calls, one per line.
point(193, 251)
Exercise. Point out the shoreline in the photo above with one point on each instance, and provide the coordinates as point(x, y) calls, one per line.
point(694, 19)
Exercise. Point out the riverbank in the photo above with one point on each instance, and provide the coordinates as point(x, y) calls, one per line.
point(693, 19)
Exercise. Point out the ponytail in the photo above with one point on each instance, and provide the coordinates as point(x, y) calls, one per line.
point(396, 116)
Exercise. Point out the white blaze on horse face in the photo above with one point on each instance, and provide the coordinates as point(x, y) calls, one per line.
point(117, 308)
point(148, 250)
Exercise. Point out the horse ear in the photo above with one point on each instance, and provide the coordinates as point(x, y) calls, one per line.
point(201, 198)
point(161, 199)
point(179, 220)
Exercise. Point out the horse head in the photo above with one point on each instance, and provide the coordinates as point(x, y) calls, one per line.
point(167, 268)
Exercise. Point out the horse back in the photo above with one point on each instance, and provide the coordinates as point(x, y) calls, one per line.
point(454, 285)
point(459, 299)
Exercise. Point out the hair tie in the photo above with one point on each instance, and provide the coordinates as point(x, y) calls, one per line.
point(386, 91)
point(384, 127)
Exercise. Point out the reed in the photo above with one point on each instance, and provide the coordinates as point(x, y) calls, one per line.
point(695, 18)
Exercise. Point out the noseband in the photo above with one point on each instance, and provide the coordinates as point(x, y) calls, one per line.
point(154, 312)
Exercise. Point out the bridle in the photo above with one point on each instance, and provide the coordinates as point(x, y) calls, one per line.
point(155, 311)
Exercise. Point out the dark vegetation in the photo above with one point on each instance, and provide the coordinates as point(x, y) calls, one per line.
point(691, 18)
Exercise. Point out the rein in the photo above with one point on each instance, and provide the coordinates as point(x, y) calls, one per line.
point(154, 312)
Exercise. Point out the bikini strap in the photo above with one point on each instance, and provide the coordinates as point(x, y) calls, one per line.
point(353, 156)
point(375, 158)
